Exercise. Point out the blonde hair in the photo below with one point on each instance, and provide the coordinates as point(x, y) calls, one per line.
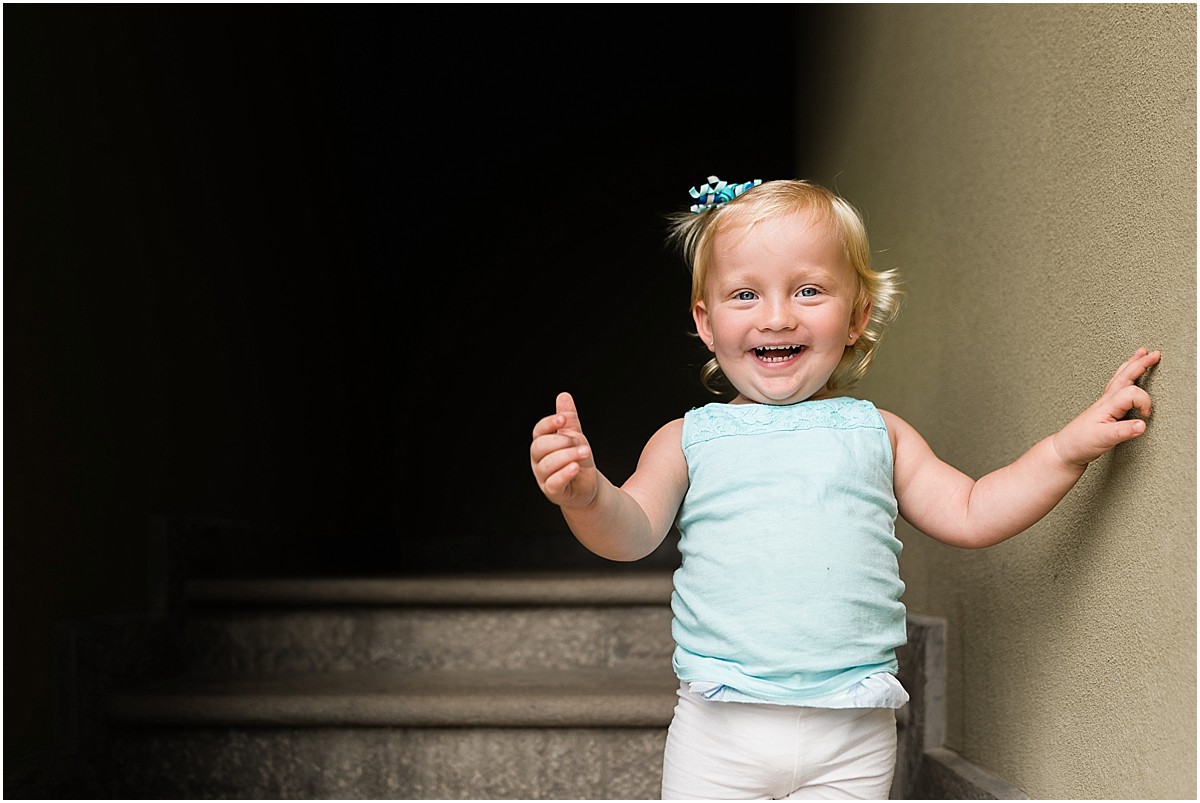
point(694, 234)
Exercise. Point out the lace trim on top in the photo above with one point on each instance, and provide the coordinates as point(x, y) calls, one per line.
point(719, 420)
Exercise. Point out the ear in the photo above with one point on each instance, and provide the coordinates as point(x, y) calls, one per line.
point(858, 322)
point(703, 325)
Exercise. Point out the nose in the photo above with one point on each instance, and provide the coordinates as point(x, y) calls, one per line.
point(777, 314)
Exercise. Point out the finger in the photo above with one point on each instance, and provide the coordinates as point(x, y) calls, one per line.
point(556, 442)
point(560, 469)
point(557, 483)
point(1140, 362)
point(1150, 359)
point(1140, 401)
point(564, 415)
point(554, 461)
point(565, 405)
point(1125, 430)
point(1128, 401)
point(1132, 369)
point(548, 426)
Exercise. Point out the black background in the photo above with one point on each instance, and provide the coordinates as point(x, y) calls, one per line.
point(323, 267)
point(316, 270)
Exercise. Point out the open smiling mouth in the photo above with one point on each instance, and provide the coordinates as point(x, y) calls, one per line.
point(777, 353)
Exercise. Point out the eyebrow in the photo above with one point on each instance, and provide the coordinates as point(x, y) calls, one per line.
point(814, 273)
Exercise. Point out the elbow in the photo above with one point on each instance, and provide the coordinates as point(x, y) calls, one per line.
point(978, 538)
point(621, 550)
point(621, 556)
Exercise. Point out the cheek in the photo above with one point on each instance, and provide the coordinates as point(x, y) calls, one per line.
point(842, 321)
point(725, 328)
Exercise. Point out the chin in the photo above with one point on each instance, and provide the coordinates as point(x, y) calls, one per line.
point(790, 398)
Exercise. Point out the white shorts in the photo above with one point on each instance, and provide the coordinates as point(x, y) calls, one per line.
point(751, 751)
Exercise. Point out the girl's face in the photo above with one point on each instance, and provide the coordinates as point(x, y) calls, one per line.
point(778, 311)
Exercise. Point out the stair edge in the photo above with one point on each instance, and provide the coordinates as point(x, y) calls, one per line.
point(644, 588)
point(563, 699)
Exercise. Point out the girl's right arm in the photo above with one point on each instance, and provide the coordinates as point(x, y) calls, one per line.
point(625, 523)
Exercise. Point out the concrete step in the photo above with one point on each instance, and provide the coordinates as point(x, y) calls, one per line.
point(582, 698)
point(382, 763)
point(500, 622)
point(456, 687)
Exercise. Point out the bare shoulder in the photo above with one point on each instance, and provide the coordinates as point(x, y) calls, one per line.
point(900, 432)
point(661, 478)
point(662, 459)
point(893, 421)
point(668, 439)
point(672, 428)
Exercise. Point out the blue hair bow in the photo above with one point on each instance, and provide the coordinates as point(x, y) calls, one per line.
point(718, 193)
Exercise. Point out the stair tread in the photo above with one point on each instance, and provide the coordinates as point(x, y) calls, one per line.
point(507, 698)
point(573, 588)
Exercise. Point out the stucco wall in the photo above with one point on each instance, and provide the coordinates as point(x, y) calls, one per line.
point(1031, 170)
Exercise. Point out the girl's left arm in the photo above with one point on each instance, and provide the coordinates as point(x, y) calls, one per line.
point(946, 504)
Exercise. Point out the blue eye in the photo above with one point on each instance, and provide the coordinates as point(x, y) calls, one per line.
point(745, 295)
point(808, 292)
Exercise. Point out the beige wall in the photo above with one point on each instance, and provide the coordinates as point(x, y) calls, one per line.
point(1031, 170)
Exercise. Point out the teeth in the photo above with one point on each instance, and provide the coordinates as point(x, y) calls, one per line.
point(776, 353)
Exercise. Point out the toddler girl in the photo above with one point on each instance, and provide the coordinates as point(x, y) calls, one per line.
point(786, 605)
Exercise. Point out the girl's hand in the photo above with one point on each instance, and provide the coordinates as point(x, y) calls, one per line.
point(561, 457)
point(1103, 425)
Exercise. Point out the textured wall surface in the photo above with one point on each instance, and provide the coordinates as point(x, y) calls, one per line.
point(1031, 171)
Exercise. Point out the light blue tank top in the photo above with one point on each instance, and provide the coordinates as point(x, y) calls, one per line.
point(789, 589)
